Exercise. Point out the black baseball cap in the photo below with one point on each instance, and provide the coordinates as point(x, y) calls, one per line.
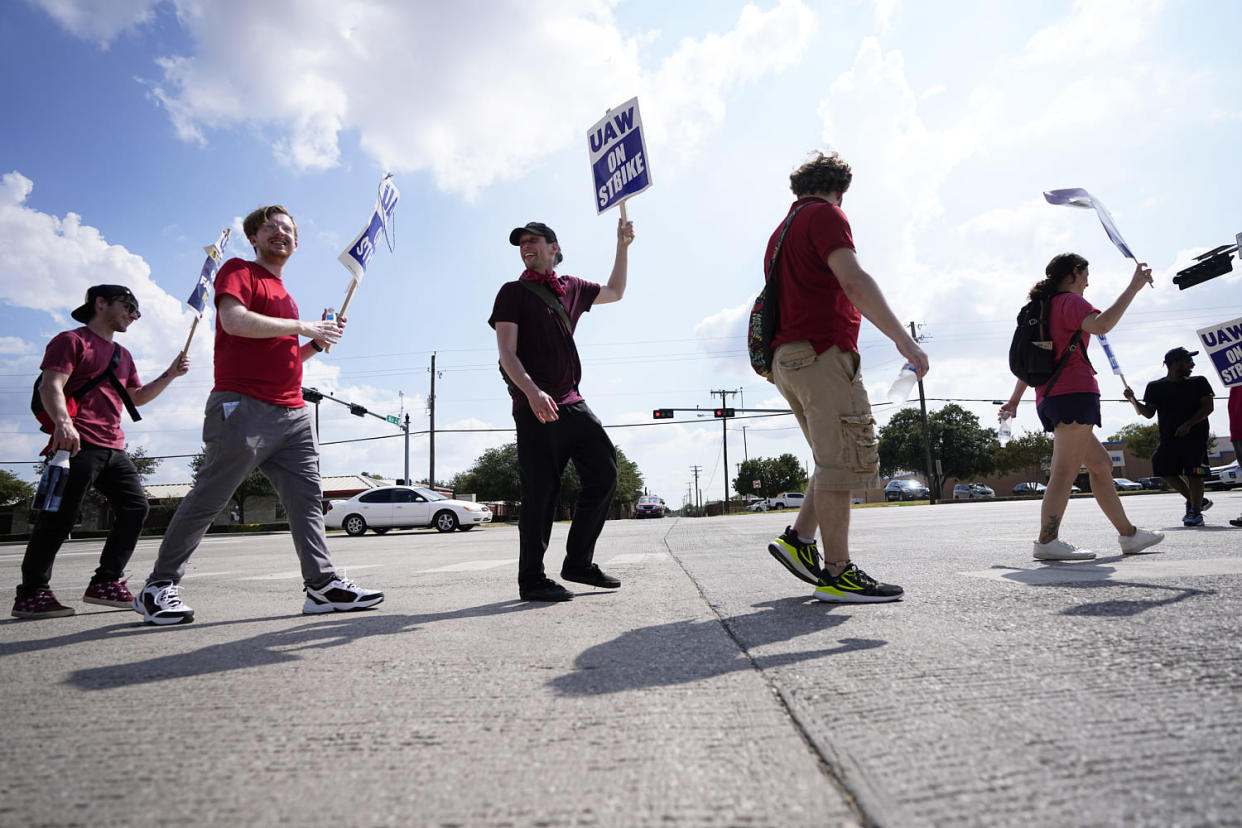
point(86, 310)
point(1178, 353)
point(536, 227)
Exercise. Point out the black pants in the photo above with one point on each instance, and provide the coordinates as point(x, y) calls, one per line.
point(113, 474)
point(543, 451)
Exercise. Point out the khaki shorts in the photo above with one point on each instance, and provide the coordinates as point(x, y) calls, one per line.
point(830, 403)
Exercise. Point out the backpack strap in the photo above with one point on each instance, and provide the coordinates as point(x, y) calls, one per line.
point(108, 374)
point(1075, 344)
point(549, 298)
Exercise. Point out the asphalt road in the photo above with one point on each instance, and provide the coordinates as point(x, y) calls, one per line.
point(710, 690)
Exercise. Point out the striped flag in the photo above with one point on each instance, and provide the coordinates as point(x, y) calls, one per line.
point(1077, 197)
point(207, 276)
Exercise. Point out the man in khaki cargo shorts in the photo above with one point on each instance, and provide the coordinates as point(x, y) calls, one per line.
point(823, 293)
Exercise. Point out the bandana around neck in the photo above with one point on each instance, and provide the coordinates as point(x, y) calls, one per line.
point(550, 279)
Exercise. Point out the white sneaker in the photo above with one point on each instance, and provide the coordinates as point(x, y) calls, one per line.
point(1140, 540)
point(340, 595)
point(1058, 550)
point(160, 603)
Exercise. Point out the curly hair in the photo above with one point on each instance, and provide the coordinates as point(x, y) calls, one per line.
point(821, 174)
point(1062, 266)
point(256, 219)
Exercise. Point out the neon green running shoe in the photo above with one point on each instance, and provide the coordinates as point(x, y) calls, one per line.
point(853, 586)
point(801, 559)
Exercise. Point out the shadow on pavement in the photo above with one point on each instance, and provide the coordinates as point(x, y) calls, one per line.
point(1095, 575)
point(275, 647)
point(682, 652)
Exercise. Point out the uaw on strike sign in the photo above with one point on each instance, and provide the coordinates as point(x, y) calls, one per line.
point(618, 156)
point(1223, 343)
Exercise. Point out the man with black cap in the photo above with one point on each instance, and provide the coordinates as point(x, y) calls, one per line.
point(86, 366)
point(1183, 404)
point(535, 317)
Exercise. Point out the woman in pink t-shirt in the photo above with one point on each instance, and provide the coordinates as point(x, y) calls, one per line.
point(1072, 409)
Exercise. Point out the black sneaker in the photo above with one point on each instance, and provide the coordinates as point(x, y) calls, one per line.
point(545, 590)
point(853, 586)
point(1205, 505)
point(592, 576)
point(801, 559)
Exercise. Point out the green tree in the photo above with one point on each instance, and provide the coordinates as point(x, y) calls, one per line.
point(13, 489)
point(1030, 452)
point(963, 447)
point(775, 475)
point(256, 484)
point(1141, 439)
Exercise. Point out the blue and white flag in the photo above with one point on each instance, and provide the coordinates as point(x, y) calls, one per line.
point(360, 251)
point(1108, 352)
point(618, 156)
point(207, 276)
point(1077, 197)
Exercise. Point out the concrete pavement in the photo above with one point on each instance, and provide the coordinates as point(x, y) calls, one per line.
point(709, 690)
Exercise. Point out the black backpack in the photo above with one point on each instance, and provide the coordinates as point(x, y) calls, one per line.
point(1032, 357)
point(764, 320)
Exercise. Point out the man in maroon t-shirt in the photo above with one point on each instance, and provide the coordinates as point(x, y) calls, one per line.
point(96, 444)
point(256, 418)
point(535, 318)
point(822, 295)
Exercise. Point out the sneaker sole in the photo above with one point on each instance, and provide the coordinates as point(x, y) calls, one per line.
point(1085, 556)
point(316, 608)
point(60, 613)
point(160, 620)
point(851, 598)
point(104, 602)
point(783, 557)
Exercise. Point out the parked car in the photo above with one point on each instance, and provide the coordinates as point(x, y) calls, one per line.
point(649, 506)
point(972, 491)
point(905, 490)
point(403, 507)
point(787, 500)
point(1152, 483)
point(758, 506)
point(1224, 477)
point(1029, 489)
point(1124, 484)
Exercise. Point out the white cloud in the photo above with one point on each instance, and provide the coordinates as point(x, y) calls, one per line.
point(1094, 29)
point(434, 104)
point(99, 21)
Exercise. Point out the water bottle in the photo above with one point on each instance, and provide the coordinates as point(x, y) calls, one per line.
point(329, 315)
point(1005, 430)
point(52, 483)
point(900, 390)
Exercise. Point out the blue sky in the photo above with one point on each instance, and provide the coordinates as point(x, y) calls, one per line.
point(136, 129)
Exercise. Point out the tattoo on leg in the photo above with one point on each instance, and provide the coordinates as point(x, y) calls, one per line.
point(1051, 526)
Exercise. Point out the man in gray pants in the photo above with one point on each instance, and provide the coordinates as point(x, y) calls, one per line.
point(256, 418)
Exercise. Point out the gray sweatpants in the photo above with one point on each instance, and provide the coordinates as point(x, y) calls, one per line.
point(241, 434)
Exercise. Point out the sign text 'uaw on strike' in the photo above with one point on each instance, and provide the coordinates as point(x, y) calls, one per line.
point(618, 156)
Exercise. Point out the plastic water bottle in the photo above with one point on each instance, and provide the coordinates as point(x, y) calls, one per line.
point(1005, 430)
point(329, 315)
point(52, 483)
point(900, 390)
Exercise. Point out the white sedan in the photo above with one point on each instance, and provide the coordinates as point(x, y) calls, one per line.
point(403, 507)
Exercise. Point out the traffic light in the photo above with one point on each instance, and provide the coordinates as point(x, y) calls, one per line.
point(723, 412)
point(357, 410)
point(312, 395)
point(662, 414)
point(1210, 265)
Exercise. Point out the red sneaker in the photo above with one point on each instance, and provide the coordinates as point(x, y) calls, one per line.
point(109, 594)
point(42, 604)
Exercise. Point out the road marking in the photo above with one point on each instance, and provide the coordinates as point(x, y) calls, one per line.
point(471, 566)
point(637, 557)
point(1146, 569)
point(297, 575)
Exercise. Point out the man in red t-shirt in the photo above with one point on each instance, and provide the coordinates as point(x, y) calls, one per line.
point(96, 443)
point(256, 418)
point(535, 317)
point(822, 295)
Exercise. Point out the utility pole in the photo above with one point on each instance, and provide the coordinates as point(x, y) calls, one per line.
point(408, 481)
point(724, 438)
point(698, 500)
point(932, 477)
point(431, 410)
